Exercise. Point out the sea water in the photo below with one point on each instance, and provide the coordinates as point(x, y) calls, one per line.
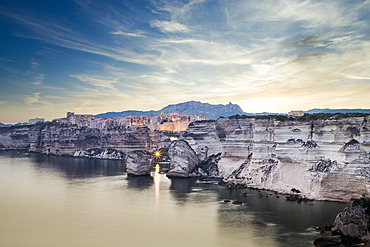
point(65, 201)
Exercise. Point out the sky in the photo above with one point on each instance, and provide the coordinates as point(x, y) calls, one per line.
point(95, 56)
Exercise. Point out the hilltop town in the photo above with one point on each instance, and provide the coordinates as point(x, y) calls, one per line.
point(172, 122)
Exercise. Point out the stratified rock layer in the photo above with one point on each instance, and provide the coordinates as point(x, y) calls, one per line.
point(67, 139)
point(325, 160)
point(183, 159)
point(138, 163)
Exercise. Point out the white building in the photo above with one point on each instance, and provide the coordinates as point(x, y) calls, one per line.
point(295, 114)
point(36, 120)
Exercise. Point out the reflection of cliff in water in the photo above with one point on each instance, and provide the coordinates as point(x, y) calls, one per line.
point(285, 222)
point(139, 182)
point(79, 167)
point(181, 187)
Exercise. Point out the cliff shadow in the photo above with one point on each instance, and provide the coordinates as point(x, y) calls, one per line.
point(181, 188)
point(139, 182)
point(264, 214)
point(79, 167)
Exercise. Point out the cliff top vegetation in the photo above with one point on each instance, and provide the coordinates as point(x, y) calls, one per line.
point(305, 117)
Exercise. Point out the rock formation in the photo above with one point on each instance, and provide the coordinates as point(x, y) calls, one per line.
point(351, 226)
point(183, 159)
point(16, 137)
point(67, 139)
point(98, 153)
point(138, 163)
point(208, 168)
point(324, 159)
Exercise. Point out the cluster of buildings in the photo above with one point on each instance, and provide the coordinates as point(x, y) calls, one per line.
point(173, 122)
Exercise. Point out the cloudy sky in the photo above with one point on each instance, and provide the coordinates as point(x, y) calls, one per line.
point(94, 56)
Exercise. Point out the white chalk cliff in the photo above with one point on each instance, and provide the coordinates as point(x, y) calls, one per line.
point(183, 159)
point(324, 159)
point(138, 163)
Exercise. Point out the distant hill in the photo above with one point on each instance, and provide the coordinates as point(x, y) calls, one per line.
point(333, 111)
point(5, 125)
point(189, 108)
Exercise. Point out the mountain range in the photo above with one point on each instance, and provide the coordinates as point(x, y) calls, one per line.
point(215, 111)
point(210, 111)
point(5, 125)
point(189, 108)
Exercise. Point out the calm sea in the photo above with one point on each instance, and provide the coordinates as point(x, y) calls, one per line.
point(60, 201)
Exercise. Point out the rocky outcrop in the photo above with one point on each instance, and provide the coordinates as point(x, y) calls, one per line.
point(138, 163)
point(354, 221)
point(98, 153)
point(351, 226)
point(324, 159)
point(16, 137)
point(208, 168)
point(323, 165)
point(183, 159)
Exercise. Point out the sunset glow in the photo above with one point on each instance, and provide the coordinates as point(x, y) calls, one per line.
point(99, 56)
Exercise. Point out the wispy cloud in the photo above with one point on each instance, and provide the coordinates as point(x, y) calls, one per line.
point(34, 65)
point(38, 79)
point(128, 34)
point(169, 26)
point(262, 55)
point(99, 81)
point(32, 99)
point(6, 60)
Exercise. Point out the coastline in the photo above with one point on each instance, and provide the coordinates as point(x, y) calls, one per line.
point(220, 180)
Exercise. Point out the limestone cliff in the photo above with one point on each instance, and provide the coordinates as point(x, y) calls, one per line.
point(183, 159)
point(15, 137)
point(67, 139)
point(138, 163)
point(324, 159)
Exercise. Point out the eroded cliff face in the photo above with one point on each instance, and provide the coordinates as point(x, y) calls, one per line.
point(183, 159)
point(326, 160)
point(66, 140)
point(16, 138)
point(138, 163)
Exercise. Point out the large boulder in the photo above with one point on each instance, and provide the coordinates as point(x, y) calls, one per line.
point(353, 221)
point(351, 226)
point(138, 163)
point(183, 159)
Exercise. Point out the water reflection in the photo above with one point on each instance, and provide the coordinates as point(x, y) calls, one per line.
point(79, 167)
point(181, 187)
point(51, 207)
point(139, 182)
point(157, 181)
point(285, 222)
